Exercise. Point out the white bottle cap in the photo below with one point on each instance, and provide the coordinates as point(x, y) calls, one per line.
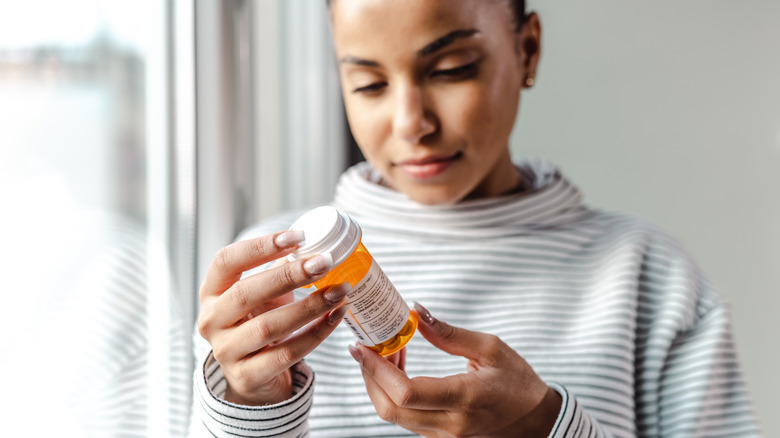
point(326, 230)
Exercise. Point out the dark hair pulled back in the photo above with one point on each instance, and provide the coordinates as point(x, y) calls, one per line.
point(518, 10)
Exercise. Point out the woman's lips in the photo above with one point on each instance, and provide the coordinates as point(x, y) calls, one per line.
point(428, 167)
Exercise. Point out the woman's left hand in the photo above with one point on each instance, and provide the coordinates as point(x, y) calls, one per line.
point(499, 395)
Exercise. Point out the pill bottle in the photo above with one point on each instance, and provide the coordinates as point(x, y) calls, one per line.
point(376, 312)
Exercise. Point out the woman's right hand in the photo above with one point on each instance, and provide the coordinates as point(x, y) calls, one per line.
point(253, 323)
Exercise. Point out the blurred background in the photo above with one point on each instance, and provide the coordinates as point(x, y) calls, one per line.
point(137, 138)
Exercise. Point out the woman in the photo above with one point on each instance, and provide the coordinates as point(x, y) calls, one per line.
point(560, 320)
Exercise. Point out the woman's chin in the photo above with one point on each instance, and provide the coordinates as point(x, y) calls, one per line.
point(433, 195)
point(442, 192)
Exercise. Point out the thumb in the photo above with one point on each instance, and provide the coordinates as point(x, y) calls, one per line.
point(479, 347)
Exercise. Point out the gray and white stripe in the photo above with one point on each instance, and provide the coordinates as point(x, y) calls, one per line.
point(606, 308)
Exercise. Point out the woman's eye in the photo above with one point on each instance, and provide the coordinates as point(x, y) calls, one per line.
point(462, 72)
point(371, 88)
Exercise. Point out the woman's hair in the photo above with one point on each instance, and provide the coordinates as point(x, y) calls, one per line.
point(518, 11)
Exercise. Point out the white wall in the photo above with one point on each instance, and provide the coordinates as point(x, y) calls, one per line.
point(671, 110)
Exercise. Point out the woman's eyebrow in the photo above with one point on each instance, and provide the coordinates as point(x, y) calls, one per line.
point(433, 47)
point(446, 40)
point(358, 61)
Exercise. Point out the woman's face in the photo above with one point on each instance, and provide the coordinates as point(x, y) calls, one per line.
point(431, 90)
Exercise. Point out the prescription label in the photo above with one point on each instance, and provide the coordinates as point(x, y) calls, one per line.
point(376, 311)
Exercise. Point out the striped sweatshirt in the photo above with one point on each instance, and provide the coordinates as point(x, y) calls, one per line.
point(607, 309)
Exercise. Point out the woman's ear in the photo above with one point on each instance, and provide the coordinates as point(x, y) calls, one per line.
point(529, 43)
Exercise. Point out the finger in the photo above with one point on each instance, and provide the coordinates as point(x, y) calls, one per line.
point(278, 302)
point(416, 420)
point(424, 393)
point(277, 324)
point(280, 357)
point(231, 261)
point(252, 292)
point(482, 348)
point(398, 359)
point(279, 262)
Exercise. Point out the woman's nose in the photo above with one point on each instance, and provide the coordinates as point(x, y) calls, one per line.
point(412, 122)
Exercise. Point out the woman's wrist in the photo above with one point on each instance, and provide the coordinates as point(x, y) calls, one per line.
point(540, 421)
point(278, 390)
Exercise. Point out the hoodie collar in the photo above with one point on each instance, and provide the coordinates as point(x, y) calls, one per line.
point(549, 201)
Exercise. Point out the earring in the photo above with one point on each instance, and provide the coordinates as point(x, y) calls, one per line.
point(529, 81)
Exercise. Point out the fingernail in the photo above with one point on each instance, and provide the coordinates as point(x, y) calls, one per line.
point(425, 315)
point(356, 354)
point(318, 264)
point(334, 294)
point(289, 238)
point(337, 314)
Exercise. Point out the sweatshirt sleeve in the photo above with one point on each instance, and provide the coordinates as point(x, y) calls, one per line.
point(572, 419)
point(217, 418)
point(698, 392)
point(701, 392)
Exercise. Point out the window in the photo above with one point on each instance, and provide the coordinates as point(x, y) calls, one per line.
point(97, 185)
point(106, 229)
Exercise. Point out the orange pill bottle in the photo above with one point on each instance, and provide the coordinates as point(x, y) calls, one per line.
point(377, 314)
